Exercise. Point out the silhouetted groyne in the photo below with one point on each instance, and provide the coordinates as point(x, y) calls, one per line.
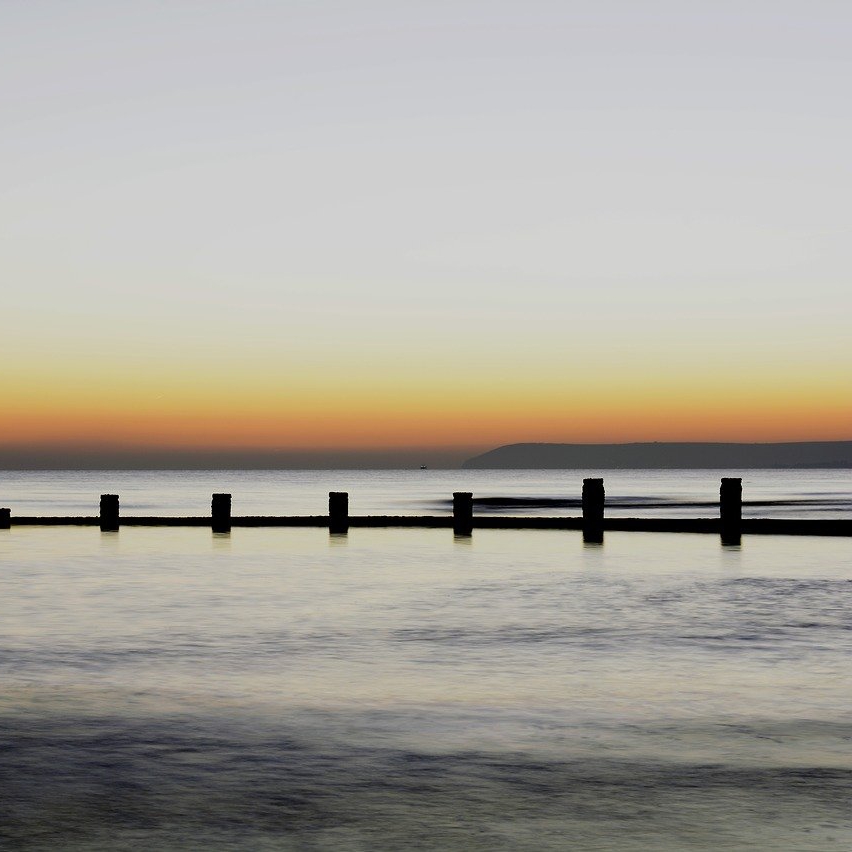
point(729, 524)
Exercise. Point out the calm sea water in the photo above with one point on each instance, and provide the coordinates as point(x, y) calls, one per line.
point(634, 493)
point(403, 689)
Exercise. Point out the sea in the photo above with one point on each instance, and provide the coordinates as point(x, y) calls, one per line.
point(407, 689)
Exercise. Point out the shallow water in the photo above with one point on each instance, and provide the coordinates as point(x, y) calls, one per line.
point(405, 689)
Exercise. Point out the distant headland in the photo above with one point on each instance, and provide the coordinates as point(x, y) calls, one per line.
point(667, 455)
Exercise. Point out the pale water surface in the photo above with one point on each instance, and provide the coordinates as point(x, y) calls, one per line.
point(634, 493)
point(404, 689)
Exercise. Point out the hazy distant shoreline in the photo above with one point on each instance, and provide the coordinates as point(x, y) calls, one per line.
point(523, 456)
point(667, 456)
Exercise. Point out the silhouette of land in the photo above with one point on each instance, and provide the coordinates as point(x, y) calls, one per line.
point(730, 456)
point(663, 455)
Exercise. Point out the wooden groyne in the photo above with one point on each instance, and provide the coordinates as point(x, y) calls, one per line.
point(729, 525)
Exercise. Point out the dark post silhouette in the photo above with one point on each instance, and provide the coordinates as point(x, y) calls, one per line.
point(593, 511)
point(220, 513)
point(338, 512)
point(462, 512)
point(731, 510)
point(109, 512)
point(5, 519)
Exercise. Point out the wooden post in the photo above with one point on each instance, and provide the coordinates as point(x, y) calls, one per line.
point(462, 512)
point(338, 512)
point(731, 510)
point(5, 519)
point(109, 512)
point(593, 511)
point(220, 513)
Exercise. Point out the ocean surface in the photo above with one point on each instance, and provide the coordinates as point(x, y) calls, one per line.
point(404, 689)
point(629, 493)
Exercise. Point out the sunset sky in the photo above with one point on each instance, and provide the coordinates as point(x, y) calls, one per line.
point(427, 227)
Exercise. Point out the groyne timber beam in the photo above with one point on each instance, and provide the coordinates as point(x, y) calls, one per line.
point(749, 526)
point(729, 525)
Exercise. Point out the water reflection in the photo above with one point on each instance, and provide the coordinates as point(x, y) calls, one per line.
point(221, 541)
point(109, 539)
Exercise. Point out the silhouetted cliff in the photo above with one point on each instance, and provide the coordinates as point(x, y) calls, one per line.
point(667, 455)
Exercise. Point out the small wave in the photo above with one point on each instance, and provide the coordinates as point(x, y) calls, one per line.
point(113, 782)
point(506, 502)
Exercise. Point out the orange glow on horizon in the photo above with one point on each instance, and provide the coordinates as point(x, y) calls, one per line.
point(282, 404)
point(453, 416)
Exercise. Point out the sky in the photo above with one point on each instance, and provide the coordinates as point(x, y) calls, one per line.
point(419, 230)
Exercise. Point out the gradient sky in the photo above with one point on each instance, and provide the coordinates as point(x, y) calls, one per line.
point(361, 225)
